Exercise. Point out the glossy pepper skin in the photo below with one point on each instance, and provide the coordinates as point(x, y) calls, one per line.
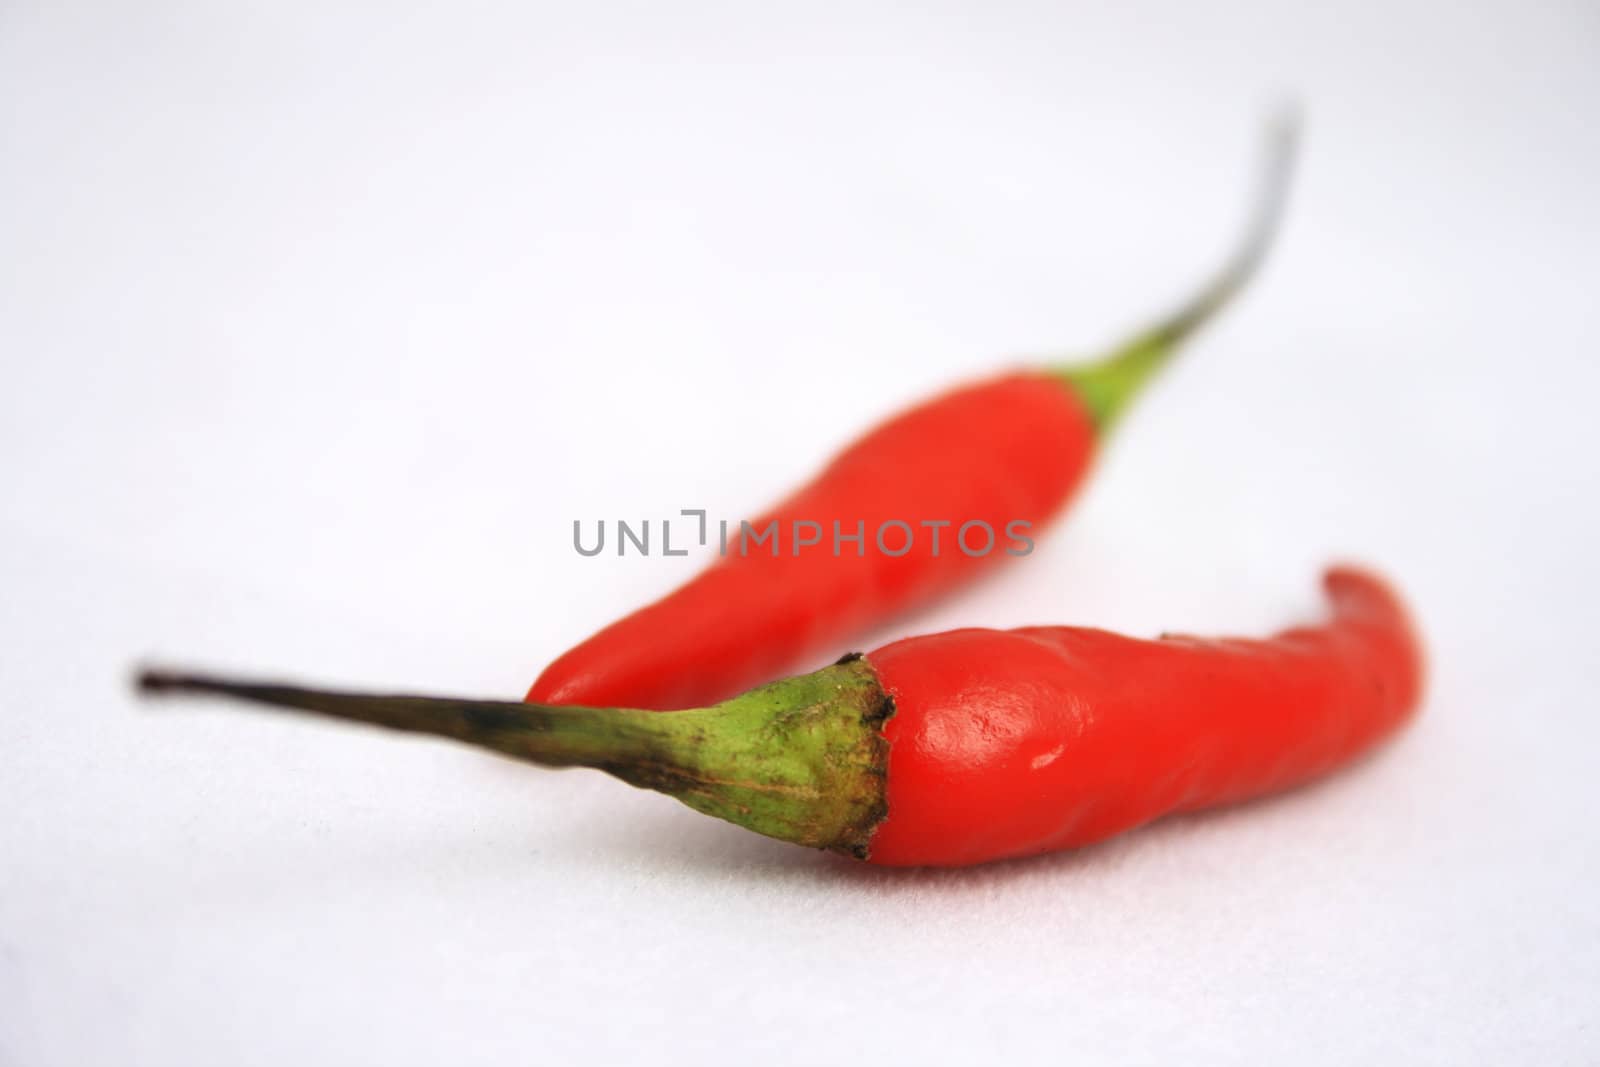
point(1010, 743)
point(1014, 448)
point(974, 745)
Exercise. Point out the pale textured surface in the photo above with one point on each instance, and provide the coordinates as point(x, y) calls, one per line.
point(319, 329)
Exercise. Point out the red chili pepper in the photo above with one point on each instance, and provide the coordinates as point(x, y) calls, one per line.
point(974, 745)
point(1010, 449)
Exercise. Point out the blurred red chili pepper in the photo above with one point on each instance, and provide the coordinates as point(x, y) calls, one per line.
point(974, 745)
point(1006, 450)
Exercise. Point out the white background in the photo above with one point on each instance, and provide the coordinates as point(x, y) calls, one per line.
point(321, 325)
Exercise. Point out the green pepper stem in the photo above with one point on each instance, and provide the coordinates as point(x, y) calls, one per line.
point(801, 759)
point(1109, 385)
point(546, 735)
